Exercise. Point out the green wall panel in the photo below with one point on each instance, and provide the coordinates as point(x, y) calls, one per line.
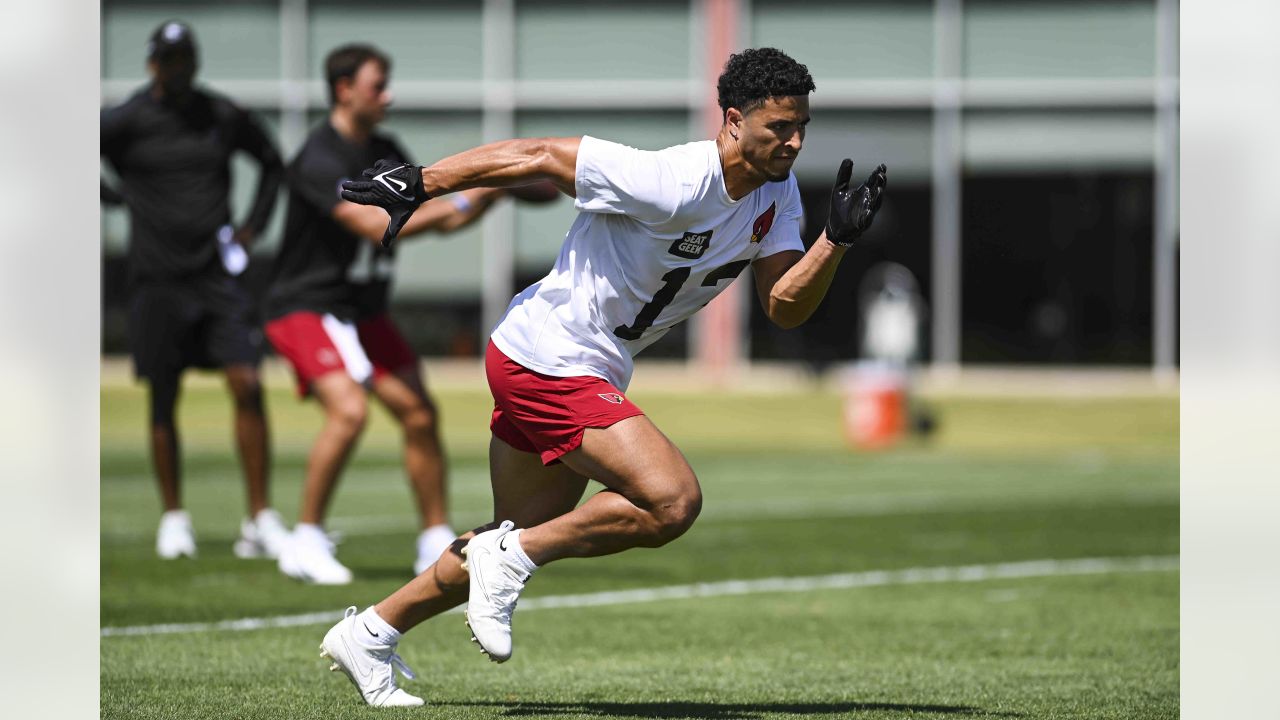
point(237, 38)
point(902, 140)
point(849, 41)
point(603, 40)
point(1034, 38)
point(426, 41)
point(1040, 141)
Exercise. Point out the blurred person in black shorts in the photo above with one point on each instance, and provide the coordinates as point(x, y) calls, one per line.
point(327, 310)
point(171, 144)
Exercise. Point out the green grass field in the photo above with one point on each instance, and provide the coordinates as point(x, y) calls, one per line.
point(1004, 481)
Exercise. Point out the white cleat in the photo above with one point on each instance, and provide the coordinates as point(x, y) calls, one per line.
point(371, 669)
point(262, 537)
point(175, 537)
point(496, 583)
point(308, 555)
point(432, 543)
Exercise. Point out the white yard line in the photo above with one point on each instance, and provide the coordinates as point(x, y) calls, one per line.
point(839, 581)
point(774, 508)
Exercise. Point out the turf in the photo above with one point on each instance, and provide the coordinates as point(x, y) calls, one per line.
point(1004, 480)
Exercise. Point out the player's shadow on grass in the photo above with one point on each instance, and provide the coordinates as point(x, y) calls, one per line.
point(722, 711)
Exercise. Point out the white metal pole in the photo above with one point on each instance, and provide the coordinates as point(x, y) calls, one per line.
point(947, 215)
point(499, 225)
point(1165, 250)
point(293, 74)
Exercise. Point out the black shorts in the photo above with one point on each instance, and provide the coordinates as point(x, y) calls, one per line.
point(205, 322)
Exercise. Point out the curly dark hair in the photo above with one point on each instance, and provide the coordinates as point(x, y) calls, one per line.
point(757, 74)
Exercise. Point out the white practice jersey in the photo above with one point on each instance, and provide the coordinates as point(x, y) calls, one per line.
point(656, 238)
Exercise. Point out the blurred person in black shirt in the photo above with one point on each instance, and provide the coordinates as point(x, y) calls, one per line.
point(171, 144)
point(327, 310)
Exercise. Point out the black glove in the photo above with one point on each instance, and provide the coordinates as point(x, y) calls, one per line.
point(853, 210)
point(394, 187)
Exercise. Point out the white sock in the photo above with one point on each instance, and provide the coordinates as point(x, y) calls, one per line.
point(516, 551)
point(176, 516)
point(310, 534)
point(372, 630)
point(436, 536)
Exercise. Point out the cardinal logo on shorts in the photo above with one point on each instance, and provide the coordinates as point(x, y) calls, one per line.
point(763, 223)
point(325, 356)
point(614, 398)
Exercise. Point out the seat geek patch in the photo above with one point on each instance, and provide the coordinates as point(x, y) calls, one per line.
point(692, 245)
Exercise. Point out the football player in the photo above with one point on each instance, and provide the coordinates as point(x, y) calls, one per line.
point(658, 235)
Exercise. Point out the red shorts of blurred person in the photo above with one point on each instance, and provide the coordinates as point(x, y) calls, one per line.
point(316, 345)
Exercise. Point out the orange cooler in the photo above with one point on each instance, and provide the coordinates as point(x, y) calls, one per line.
point(875, 408)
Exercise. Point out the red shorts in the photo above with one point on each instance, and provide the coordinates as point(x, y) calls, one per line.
point(316, 345)
point(546, 414)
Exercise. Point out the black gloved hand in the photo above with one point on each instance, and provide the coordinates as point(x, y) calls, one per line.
point(853, 210)
point(394, 187)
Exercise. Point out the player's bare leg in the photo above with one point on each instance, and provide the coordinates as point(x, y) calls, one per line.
point(175, 536)
point(251, 433)
point(346, 410)
point(653, 496)
point(405, 396)
point(424, 461)
point(524, 491)
point(309, 555)
point(262, 533)
point(163, 394)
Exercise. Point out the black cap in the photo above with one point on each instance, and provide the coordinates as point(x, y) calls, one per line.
point(172, 36)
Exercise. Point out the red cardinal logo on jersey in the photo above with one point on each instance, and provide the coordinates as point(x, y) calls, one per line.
point(763, 223)
point(614, 398)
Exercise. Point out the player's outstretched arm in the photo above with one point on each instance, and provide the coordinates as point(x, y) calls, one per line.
point(791, 285)
point(507, 163)
point(444, 216)
point(400, 189)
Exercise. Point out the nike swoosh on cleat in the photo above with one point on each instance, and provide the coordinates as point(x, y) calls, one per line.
point(502, 540)
point(364, 679)
point(366, 627)
point(479, 578)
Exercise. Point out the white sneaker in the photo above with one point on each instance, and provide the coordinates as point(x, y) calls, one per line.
point(308, 555)
point(496, 582)
point(370, 668)
point(262, 537)
point(432, 543)
point(175, 536)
